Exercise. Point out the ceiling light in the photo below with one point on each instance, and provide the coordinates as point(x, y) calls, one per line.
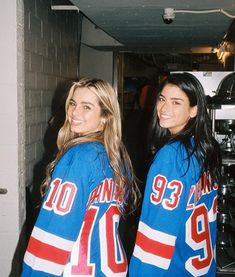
point(64, 8)
point(57, 7)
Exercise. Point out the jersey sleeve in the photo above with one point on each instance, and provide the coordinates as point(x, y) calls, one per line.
point(60, 217)
point(163, 211)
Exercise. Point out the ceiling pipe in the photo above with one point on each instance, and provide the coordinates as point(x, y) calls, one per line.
point(169, 13)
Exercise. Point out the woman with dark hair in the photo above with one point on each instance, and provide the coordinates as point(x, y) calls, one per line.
point(177, 228)
point(85, 191)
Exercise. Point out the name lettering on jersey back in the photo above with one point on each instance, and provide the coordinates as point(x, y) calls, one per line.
point(202, 187)
point(105, 192)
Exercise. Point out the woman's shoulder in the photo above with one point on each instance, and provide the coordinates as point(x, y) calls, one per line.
point(88, 151)
point(169, 148)
point(172, 152)
point(164, 154)
point(88, 146)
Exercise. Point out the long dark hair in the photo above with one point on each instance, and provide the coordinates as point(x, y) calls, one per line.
point(206, 148)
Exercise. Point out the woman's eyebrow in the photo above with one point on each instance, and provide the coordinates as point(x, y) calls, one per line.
point(177, 98)
point(172, 98)
point(87, 103)
point(72, 100)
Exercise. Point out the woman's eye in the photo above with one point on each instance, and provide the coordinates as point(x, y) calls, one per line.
point(176, 103)
point(85, 107)
point(71, 103)
point(160, 99)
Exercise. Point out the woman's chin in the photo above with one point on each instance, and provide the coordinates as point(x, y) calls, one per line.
point(164, 125)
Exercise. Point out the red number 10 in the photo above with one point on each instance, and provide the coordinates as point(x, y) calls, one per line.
point(109, 245)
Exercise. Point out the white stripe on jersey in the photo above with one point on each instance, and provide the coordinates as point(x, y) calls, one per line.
point(156, 235)
point(43, 265)
point(150, 258)
point(52, 240)
point(212, 213)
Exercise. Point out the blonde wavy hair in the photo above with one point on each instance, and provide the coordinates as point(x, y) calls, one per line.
point(110, 137)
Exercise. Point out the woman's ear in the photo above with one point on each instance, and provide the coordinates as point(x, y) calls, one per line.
point(193, 111)
point(103, 121)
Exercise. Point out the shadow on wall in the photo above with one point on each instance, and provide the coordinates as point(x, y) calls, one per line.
point(49, 142)
point(33, 196)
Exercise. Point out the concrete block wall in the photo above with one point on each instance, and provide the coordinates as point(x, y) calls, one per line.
point(51, 57)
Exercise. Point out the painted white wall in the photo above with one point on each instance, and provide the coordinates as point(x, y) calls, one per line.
point(95, 63)
point(94, 36)
point(12, 135)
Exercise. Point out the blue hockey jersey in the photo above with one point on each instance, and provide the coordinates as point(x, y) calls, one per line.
point(177, 229)
point(76, 233)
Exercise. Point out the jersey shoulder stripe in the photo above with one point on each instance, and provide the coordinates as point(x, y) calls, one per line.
point(52, 239)
point(156, 247)
point(151, 259)
point(42, 265)
point(48, 250)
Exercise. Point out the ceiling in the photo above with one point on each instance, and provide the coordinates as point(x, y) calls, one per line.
point(138, 24)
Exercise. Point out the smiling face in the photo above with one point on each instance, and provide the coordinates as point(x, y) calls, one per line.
point(84, 112)
point(173, 109)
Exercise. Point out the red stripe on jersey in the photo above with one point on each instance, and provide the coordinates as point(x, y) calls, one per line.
point(154, 247)
point(47, 252)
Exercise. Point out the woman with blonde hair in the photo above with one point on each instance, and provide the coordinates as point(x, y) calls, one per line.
point(85, 191)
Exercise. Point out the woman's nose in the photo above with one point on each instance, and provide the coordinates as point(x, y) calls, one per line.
point(76, 110)
point(164, 107)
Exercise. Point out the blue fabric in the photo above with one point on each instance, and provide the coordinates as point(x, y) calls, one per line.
point(78, 221)
point(173, 219)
